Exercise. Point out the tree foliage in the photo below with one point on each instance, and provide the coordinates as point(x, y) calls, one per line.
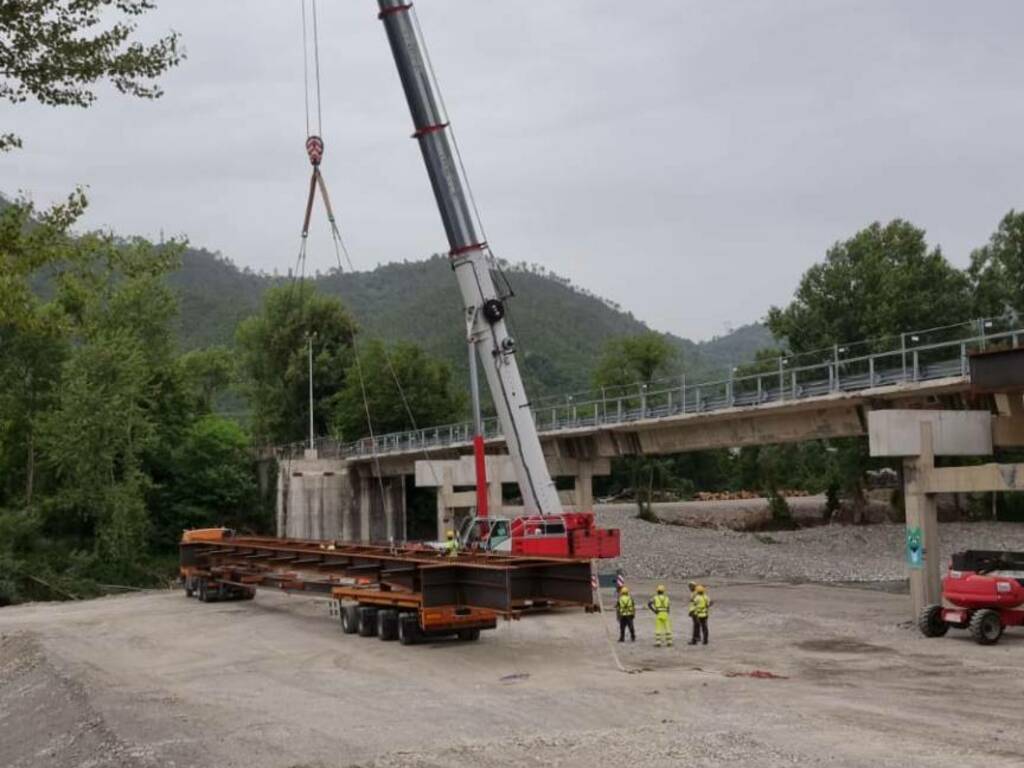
point(57, 51)
point(97, 414)
point(879, 283)
point(635, 359)
point(274, 362)
point(997, 269)
point(425, 388)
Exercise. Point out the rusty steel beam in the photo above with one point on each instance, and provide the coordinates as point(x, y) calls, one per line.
point(497, 582)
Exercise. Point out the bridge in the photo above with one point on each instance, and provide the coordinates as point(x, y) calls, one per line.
point(824, 394)
point(955, 391)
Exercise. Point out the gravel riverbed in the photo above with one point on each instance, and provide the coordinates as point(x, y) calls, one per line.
point(827, 554)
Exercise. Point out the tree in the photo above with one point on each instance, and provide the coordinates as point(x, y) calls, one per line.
point(56, 51)
point(426, 385)
point(634, 360)
point(879, 283)
point(274, 366)
point(997, 269)
point(212, 482)
point(206, 373)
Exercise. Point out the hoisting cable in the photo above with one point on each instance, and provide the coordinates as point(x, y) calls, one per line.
point(340, 249)
point(315, 152)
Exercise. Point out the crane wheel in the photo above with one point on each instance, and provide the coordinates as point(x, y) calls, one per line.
point(986, 626)
point(350, 619)
point(408, 628)
point(930, 621)
point(387, 624)
point(367, 621)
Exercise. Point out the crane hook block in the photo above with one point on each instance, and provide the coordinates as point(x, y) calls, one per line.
point(493, 310)
point(315, 149)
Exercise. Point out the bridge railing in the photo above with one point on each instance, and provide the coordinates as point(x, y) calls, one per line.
point(919, 356)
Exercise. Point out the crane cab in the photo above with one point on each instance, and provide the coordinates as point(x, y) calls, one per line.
point(571, 535)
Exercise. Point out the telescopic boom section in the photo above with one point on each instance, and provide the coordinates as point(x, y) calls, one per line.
point(471, 260)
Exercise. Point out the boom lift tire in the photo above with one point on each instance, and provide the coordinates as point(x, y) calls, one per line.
point(930, 622)
point(468, 635)
point(408, 628)
point(350, 619)
point(387, 624)
point(986, 626)
point(367, 621)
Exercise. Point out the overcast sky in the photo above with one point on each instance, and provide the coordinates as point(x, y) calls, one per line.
point(686, 159)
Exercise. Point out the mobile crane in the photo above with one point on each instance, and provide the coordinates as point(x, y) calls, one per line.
point(543, 528)
point(410, 592)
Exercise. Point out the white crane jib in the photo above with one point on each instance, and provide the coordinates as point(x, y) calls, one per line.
point(470, 259)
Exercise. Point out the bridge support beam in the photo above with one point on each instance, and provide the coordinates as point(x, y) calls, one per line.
point(922, 537)
point(918, 436)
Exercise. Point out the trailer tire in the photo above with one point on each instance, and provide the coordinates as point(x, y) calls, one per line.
point(986, 626)
point(248, 593)
point(367, 621)
point(930, 621)
point(387, 624)
point(468, 635)
point(203, 595)
point(408, 628)
point(189, 588)
point(350, 619)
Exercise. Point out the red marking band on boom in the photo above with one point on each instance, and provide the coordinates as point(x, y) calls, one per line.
point(429, 129)
point(466, 249)
point(396, 9)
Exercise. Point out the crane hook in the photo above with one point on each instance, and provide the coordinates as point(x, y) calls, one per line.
point(315, 150)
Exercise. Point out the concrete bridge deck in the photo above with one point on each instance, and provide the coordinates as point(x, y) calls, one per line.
point(780, 401)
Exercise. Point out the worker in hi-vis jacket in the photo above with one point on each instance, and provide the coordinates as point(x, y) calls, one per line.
point(699, 605)
point(625, 609)
point(660, 605)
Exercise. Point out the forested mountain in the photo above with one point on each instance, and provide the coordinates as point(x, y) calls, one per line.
point(560, 327)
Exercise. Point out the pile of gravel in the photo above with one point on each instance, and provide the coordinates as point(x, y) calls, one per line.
point(831, 554)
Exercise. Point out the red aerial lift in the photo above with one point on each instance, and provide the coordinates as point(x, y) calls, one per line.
point(982, 592)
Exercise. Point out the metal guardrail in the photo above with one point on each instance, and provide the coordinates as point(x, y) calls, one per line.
point(931, 355)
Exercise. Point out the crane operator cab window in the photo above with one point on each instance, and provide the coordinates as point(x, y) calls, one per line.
point(488, 533)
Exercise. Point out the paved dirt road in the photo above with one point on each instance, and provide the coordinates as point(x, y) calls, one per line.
point(158, 680)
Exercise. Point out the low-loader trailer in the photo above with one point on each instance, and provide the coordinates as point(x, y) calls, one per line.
point(406, 593)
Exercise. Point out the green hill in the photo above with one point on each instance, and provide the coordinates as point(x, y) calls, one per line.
point(560, 327)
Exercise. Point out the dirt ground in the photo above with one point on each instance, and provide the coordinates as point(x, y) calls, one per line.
point(155, 679)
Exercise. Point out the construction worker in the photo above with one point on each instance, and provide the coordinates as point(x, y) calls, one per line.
point(451, 545)
point(699, 606)
point(659, 604)
point(625, 609)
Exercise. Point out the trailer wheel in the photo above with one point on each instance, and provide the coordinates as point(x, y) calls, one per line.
point(468, 635)
point(204, 596)
point(350, 619)
point(248, 593)
point(189, 588)
point(387, 624)
point(408, 628)
point(986, 626)
point(367, 621)
point(930, 622)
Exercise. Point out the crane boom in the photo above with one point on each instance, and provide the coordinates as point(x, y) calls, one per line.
point(471, 260)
